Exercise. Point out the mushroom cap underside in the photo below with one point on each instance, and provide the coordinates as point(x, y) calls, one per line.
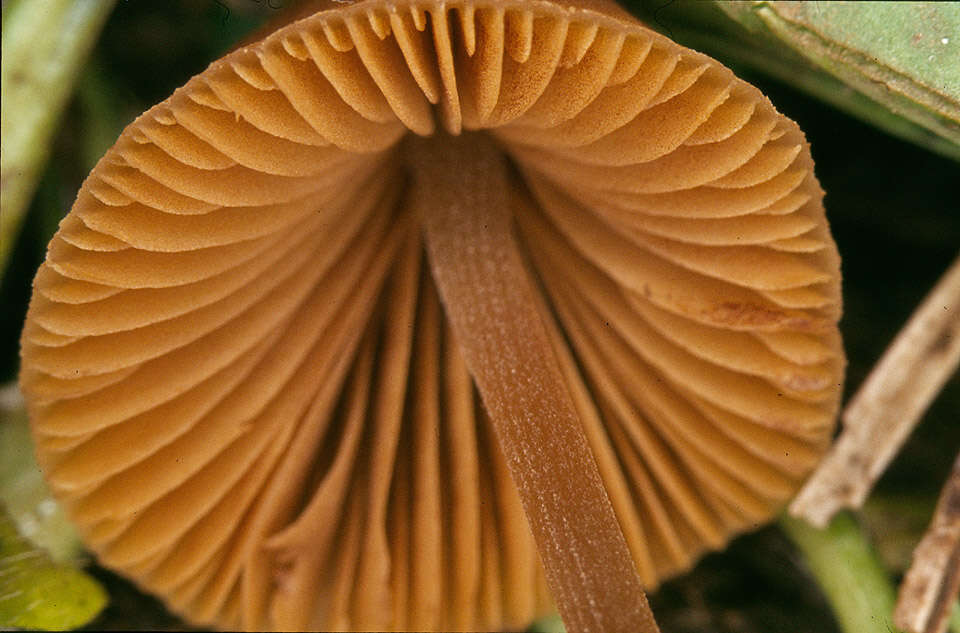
point(242, 383)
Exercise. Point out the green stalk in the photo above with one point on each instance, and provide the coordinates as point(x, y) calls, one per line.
point(848, 571)
point(45, 43)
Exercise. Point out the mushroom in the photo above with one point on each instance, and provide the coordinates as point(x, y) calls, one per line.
point(378, 313)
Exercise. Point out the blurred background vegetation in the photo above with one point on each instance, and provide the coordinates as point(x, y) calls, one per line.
point(892, 205)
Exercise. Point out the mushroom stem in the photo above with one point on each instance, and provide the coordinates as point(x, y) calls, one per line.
point(461, 192)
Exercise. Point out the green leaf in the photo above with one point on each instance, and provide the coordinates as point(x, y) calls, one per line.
point(894, 65)
point(897, 54)
point(36, 593)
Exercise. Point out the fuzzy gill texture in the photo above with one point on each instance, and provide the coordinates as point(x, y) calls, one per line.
point(243, 383)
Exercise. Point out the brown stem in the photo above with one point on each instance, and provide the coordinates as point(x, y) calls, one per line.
point(460, 191)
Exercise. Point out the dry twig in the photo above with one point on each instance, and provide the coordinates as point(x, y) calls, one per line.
point(930, 588)
point(888, 405)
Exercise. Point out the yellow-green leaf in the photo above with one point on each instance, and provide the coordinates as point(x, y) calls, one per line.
point(36, 593)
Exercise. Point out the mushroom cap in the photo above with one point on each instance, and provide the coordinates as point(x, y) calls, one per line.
point(242, 383)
